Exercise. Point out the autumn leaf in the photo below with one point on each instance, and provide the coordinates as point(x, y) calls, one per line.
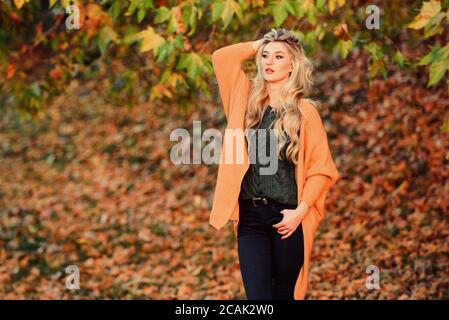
point(10, 70)
point(150, 40)
point(334, 4)
point(19, 3)
point(177, 19)
point(429, 10)
point(56, 72)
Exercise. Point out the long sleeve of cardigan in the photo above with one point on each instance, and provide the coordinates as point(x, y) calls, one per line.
point(227, 63)
point(321, 173)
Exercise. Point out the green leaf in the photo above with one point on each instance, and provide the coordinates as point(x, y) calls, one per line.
point(438, 58)
point(162, 14)
point(186, 13)
point(279, 15)
point(301, 8)
point(344, 47)
point(194, 64)
point(433, 26)
point(399, 59)
point(230, 8)
point(437, 71)
point(217, 9)
point(374, 50)
point(431, 57)
point(106, 35)
point(131, 35)
point(378, 60)
point(132, 7)
point(147, 4)
point(116, 9)
point(320, 4)
point(280, 10)
point(225, 10)
point(164, 51)
point(141, 15)
point(193, 18)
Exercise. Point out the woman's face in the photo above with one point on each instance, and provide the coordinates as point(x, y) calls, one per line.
point(275, 62)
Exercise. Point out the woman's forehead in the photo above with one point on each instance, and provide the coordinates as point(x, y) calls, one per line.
point(275, 47)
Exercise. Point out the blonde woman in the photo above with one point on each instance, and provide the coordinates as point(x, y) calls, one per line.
point(276, 214)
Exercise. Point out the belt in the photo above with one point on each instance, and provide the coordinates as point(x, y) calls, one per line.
point(259, 201)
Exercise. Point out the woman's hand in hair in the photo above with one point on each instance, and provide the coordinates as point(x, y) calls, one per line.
point(256, 44)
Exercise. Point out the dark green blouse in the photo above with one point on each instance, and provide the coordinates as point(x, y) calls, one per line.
point(281, 185)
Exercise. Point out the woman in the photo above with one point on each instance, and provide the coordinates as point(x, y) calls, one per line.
point(275, 215)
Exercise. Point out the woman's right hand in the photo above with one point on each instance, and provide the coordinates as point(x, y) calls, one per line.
point(256, 44)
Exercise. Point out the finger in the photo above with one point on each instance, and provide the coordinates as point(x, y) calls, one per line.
point(286, 236)
point(284, 231)
point(278, 225)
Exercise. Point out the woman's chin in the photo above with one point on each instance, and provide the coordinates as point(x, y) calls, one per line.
point(274, 80)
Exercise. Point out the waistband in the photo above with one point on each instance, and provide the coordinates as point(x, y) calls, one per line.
point(261, 202)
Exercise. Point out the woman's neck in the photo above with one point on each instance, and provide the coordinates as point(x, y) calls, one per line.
point(274, 90)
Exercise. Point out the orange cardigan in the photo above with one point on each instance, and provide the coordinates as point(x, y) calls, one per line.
point(315, 173)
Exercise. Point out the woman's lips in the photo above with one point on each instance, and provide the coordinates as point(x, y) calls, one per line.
point(269, 71)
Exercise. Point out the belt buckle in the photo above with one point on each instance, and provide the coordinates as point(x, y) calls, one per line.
point(259, 198)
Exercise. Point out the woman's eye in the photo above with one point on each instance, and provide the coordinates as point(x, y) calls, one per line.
point(278, 57)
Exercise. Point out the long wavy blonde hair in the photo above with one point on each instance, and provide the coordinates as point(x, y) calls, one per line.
point(298, 85)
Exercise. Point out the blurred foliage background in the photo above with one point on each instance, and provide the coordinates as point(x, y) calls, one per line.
point(146, 50)
point(90, 91)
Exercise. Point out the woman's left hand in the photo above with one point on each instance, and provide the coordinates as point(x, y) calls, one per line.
point(292, 219)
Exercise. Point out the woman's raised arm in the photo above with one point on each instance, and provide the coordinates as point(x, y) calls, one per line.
point(227, 63)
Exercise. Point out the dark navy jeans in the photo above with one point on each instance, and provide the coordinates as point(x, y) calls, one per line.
point(269, 266)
